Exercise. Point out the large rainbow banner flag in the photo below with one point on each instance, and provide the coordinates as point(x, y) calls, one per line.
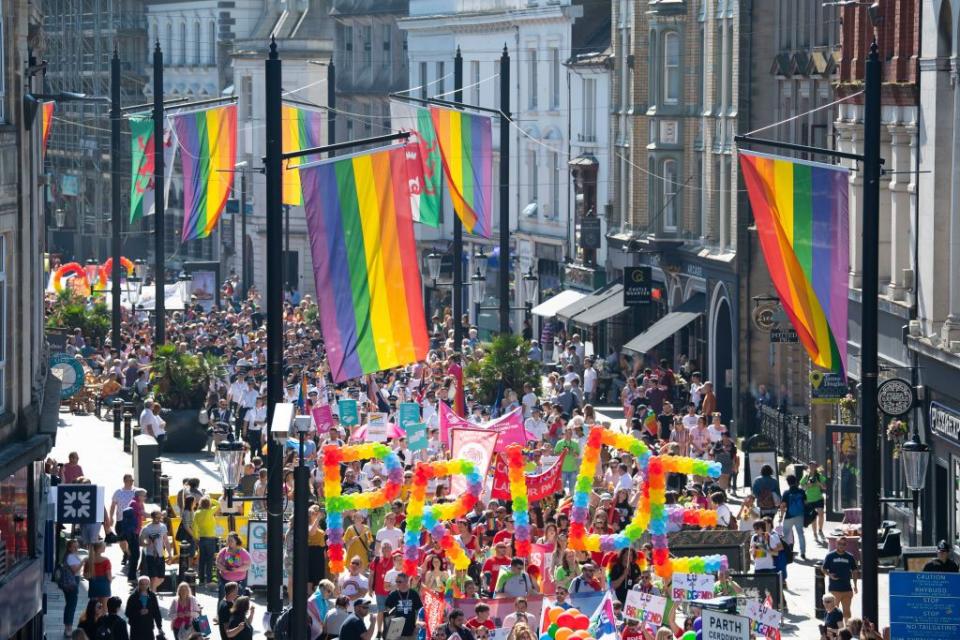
point(800, 209)
point(208, 147)
point(466, 144)
point(302, 129)
point(365, 262)
point(46, 123)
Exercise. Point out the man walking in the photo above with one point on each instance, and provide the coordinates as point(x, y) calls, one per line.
point(403, 602)
point(143, 612)
point(156, 546)
point(814, 483)
point(842, 569)
point(792, 509)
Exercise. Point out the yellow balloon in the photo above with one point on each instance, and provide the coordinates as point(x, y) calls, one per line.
point(554, 613)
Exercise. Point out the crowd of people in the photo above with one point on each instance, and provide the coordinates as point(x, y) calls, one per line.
point(673, 412)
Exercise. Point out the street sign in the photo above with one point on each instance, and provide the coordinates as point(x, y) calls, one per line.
point(590, 232)
point(895, 397)
point(785, 334)
point(79, 504)
point(724, 626)
point(827, 388)
point(924, 605)
point(637, 286)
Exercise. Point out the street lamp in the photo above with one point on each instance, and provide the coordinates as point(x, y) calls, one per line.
point(481, 258)
point(530, 283)
point(92, 269)
point(134, 290)
point(59, 218)
point(916, 457)
point(478, 281)
point(434, 261)
point(140, 268)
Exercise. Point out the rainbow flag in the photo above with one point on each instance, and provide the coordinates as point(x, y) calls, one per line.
point(365, 262)
point(466, 144)
point(208, 145)
point(302, 129)
point(46, 122)
point(800, 209)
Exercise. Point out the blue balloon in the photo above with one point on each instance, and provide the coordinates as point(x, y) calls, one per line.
point(698, 624)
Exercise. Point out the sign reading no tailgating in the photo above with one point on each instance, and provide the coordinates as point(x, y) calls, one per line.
point(724, 626)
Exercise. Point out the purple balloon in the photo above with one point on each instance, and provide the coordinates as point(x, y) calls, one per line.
point(697, 624)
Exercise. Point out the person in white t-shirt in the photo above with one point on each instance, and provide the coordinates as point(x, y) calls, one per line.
point(389, 533)
point(589, 381)
point(535, 424)
point(373, 469)
point(764, 546)
point(529, 400)
point(691, 418)
point(695, 389)
point(152, 424)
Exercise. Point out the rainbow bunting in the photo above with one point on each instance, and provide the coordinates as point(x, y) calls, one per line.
point(365, 262)
point(466, 144)
point(302, 129)
point(208, 144)
point(46, 122)
point(801, 213)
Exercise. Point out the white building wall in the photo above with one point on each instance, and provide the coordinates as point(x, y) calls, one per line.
point(303, 80)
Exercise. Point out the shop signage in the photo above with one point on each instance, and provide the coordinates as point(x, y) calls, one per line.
point(590, 233)
point(70, 373)
point(724, 626)
point(637, 286)
point(763, 317)
point(924, 605)
point(827, 388)
point(895, 397)
point(944, 421)
point(79, 504)
point(257, 545)
point(784, 334)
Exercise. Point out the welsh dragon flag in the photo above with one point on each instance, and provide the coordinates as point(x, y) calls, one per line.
point(424, 164)
point(141, 183)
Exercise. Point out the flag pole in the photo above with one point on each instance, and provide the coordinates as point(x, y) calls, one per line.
point(158, 199)
point(457, 290)
point(116, 115)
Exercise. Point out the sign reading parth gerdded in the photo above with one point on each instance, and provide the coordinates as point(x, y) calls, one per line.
point(724, 626)
point(637, 286)
point(924, 605)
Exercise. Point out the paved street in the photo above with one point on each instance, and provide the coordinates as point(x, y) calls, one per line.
point(104, 462)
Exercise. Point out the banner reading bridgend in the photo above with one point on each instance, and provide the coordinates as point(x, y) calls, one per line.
point(724, 626)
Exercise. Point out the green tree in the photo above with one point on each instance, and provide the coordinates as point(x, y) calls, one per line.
point(70, 311)
point(505, 365)
point(181, 380)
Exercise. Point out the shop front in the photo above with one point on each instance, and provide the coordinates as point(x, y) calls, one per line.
point(943, 416)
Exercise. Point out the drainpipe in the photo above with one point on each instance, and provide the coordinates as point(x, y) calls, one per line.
point(622, 116)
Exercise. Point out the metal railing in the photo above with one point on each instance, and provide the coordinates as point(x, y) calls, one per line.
point(791, 434)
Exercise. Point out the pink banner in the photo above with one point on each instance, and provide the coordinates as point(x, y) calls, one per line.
point(510, 427)
point(393, 431)
point(476, 445)
point(500, 608)
point(539, 486)
point(541, 556)
point(322, 418)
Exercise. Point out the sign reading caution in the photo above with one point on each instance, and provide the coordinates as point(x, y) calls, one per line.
point(724, 626)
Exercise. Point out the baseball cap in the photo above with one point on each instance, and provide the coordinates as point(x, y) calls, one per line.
point(362, 602)
point(943, 545)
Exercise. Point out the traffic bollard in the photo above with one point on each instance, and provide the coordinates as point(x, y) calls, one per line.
point(818, 590)
point(117, 417)
point(127, 431)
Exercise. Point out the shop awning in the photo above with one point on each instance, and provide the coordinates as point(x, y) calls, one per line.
point(584, 303)
point(667, 325)
point(549, 307)
point(609, 305)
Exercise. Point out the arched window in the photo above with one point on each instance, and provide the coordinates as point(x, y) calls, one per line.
point(183, 43)
point(212, 59)
point(168, 44)
point(669, 204)
point(196, 43)
point(671, 67)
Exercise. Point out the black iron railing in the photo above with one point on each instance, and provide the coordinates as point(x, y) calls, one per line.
point(791, 433)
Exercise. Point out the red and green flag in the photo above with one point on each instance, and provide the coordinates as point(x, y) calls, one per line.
point(142, 201)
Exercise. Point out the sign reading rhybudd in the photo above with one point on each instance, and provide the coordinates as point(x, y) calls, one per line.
point(924, 605)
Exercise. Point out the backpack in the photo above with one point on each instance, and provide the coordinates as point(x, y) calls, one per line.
point(281, 626)
point(128, 522)
point(766, 501)
point(65, 578)
point(795, 501)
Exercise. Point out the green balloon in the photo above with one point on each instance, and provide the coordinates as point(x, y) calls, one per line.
point(552, 629)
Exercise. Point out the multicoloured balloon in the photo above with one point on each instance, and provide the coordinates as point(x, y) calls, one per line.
point(336, 503)
point(78, 283)
point(432, 517)
point(518, 494)
point(652, 513)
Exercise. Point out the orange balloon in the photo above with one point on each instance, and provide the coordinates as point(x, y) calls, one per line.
point(581, 634)
point(554, 613)
point(563, 634)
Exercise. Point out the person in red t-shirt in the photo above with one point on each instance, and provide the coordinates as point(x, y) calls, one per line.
point(632, 631)
point(506, 534)
point(491, 568)
point(469, 542)
point(481, 619)
point(378, 570)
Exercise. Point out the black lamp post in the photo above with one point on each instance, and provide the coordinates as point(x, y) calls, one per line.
point(134, 289)
point(434, 263)
point(530, 282)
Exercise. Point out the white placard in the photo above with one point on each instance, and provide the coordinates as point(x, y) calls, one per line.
point(724, 626)
point(692, 586)
point(376, 427)
point(766, 616)
point(644, 607)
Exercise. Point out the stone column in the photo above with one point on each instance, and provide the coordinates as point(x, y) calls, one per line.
point(850, 134)
point(950, 332)
point(903, 184)
point(883, 274)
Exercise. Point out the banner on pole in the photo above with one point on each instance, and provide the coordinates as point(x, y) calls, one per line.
point(539, 486)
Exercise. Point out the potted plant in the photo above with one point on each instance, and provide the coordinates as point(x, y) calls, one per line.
point(180, 384)
point(505, 365)
point(71, 311)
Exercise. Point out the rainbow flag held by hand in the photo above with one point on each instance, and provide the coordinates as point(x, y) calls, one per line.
point(302, 129)
point(208, 145)
point(800, 209)
point(365, 262)
point(466, 144)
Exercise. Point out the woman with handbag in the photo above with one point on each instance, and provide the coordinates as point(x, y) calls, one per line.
point(69, 583)
point(183, 611)
point(186, 535)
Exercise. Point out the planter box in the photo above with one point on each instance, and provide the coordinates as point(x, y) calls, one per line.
point(185, 434)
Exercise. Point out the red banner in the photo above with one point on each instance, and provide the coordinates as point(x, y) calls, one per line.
point(475, 445)
point(539, 486)
point(434, 610)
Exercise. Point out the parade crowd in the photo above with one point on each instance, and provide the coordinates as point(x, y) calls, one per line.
point(673, 411)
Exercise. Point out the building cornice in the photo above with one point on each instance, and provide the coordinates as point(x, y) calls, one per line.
point(488, 21)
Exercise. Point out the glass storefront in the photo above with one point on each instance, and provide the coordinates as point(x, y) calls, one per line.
point(14, 513)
